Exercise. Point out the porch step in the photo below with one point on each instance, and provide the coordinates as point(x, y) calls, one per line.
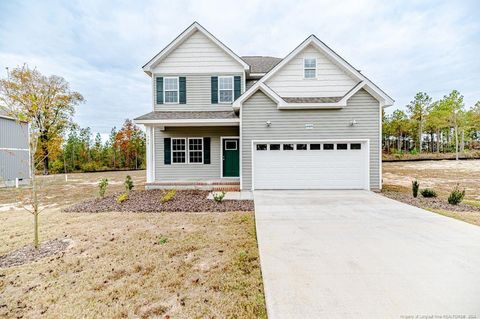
point(210, 185)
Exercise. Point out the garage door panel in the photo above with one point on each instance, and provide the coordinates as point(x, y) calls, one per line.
point(310, 169)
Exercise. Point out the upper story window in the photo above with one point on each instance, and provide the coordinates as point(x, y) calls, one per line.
point(225, 89)
point(310, 68)
point(170, 89)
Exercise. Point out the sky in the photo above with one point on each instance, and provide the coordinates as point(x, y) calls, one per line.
point(99, 47)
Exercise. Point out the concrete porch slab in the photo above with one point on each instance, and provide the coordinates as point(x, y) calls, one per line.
point(242, 195)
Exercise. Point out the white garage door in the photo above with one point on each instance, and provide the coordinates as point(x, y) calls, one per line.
point(310, 165)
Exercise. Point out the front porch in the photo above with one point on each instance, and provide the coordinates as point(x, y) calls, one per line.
point(193, 150)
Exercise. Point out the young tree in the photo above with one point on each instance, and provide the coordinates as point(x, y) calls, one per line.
point(418, 109)
point(47, 104)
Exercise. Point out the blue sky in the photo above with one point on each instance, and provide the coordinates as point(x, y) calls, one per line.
point(100, 46)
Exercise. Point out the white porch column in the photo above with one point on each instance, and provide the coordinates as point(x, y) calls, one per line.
point(150, 153)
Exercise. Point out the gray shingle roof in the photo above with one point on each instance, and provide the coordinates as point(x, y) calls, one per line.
point(188, 115)
point(261, 64)
point(334, 99)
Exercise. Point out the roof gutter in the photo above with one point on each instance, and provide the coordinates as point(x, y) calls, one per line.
point(190, 122)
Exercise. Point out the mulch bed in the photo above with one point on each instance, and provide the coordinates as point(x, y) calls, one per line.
point(433, 203)
point(29, 254)
point(150, 201)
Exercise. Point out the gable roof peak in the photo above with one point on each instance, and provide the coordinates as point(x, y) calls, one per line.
point(192, 28)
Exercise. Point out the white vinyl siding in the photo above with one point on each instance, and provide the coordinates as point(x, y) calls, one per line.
point(198, 54)
point(198, 93)
point(327, 125)
point(189, 172)
point(330, 80)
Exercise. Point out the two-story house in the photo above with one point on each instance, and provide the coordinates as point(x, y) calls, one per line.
point(307, 121)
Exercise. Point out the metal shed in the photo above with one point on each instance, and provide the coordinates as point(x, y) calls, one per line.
point(14, 151)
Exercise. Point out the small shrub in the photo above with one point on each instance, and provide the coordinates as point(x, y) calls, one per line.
point(427, 192)
point(414, 152)
point(128, 184)
point(415, 187)
point(219, 196)
point(123, 197)
point(168, 196)
point(456, 196)
point(162, 240)
point(102, 187)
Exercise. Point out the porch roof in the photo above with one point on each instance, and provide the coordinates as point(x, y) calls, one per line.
point(189, 118)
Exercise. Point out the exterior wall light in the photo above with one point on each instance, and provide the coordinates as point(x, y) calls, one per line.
point(268, 123)
point(353, 122)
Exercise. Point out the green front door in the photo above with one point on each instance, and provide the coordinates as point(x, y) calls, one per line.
point(230, 157)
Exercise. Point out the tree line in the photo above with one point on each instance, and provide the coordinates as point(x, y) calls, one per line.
point(58, 144)
point(79, 151)
point(445, 125)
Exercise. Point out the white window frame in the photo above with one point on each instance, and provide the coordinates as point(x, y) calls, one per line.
point(188, 149)
point(309, 68)
point(185, 151)
point(231, 149)
point(178, 89)
point(233, 89)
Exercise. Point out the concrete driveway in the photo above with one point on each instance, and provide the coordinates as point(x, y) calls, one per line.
point(357, 254)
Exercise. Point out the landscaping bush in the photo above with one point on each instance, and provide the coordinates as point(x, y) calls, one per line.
point(128, 184)
point(427, 192)
point(168, 196)
point(456, 196)
point(123, 197)
point(102, 187)
point(415, 187)
point(219, 196)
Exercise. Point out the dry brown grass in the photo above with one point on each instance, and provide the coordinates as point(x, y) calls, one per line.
point(442, 176)
point(182, 265)
point(55, 191)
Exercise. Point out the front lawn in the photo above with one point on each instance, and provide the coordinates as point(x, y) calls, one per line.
point(120, 264)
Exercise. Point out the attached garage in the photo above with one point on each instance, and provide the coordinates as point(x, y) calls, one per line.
point(307, 164)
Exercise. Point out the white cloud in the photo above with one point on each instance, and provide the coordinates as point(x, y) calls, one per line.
point(403, 46)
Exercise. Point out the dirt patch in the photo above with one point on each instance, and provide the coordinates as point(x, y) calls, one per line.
point(28, 254)
point(432, 203)
point(442, 176)
point(150, 201)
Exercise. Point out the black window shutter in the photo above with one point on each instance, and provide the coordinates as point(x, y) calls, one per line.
point(206, 150)
point(182, 82)
point(237, 85)
point(167, 150)
point(159, 90)
point(214, 89)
